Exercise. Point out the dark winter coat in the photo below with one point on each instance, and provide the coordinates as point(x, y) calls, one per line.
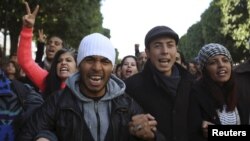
point(203, 107)
point(169, 111)
point(61, 115)
point(242, 77)
point(17, 103)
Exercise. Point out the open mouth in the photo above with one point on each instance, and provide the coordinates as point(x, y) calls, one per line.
point(64, 69)
point(128, 72)
point(221, 73)
point(164, 61)
point(95, 80)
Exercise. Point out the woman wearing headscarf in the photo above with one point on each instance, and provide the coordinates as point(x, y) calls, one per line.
point(214, 98)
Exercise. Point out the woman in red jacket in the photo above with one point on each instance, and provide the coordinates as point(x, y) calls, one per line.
point(64, 63)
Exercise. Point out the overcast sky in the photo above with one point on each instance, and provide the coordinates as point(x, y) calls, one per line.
point(130, 20)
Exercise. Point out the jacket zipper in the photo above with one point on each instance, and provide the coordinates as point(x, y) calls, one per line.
point(98, 121)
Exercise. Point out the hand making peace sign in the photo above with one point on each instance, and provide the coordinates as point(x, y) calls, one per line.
point(29, 18)
point(41, 36)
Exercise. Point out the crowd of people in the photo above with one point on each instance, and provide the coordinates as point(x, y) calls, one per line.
point(154, 95)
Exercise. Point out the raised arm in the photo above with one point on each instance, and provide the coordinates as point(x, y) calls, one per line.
point(40, 46)
point(34, 72)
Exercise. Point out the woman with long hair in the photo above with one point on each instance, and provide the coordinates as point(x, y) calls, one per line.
point(214, 98)
point(63, 65)
point(64, 62)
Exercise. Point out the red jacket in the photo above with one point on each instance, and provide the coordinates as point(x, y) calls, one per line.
point(24, 54)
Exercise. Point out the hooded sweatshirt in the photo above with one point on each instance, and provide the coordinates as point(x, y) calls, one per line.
point(97, 113)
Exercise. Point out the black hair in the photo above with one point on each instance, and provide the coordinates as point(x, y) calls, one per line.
point(223, 95)
point(52, 81)
point(183, 60)
point(130, 56)
point(117, 67)
point(16, 66)
point(56, 36)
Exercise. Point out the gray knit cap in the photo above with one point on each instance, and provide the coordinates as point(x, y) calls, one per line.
point(210, 50)
point(159, 31)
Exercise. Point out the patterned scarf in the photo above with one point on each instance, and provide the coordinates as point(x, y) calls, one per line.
point(9, 109)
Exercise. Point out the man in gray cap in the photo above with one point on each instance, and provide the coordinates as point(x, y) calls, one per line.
point(162, 88)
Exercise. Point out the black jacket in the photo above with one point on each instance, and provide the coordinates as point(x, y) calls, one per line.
point(242, 77)
point(170, 111)
point(17, 106)
point(62, 116)
point(202, 107)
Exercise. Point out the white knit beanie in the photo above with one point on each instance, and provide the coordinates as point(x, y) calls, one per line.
point(96, 44)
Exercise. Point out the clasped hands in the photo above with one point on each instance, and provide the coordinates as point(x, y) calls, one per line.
point(143, 126)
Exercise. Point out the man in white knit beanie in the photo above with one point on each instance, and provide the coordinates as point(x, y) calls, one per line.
point(96, 44)
point(93, 101)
